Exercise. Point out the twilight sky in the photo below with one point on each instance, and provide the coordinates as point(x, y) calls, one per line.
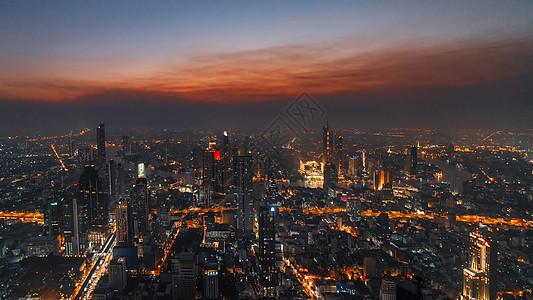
point(373, 63)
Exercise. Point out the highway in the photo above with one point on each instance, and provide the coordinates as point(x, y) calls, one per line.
point(98, 269)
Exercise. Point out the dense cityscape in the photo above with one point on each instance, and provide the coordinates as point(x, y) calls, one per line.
point(331, 213)
point(303, 149)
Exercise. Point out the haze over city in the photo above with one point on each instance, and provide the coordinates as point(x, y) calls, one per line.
point(369, 63)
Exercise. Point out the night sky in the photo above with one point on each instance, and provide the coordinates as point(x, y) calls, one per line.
point(217, 64)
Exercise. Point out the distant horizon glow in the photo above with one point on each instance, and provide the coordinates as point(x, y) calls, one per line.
point(66, 51)
point(461, 62)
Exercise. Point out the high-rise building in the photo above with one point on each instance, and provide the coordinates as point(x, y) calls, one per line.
point(209, 174)
point(267, 250)
point(117, 274)
point(184, 276)
point(112, 177)
point(353, 208)
point(53, 217)
point(142, 207)
point(92, 197)
point(71, 149)
point(387, 290)
point(211, 279)
point(480, 275)
point(272, 188)
point(327, 144)
point(242, 185)
point(353, 166)
point(75, 227)
point(331, 177)
point(124, 221)
point(126, 145)
point(412, 161)
point(337, 161)
point(100, 146)
point(227, 149)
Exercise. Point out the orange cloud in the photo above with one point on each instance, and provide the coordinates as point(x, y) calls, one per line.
point(285, 71)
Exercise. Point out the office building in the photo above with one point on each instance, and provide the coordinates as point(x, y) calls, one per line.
point(100, 146)
point(242, 185)
point(117, 274)
point(412, 161)
point(479, 280)
point(142, 207)
point(387, 290)
point(211, 279)
point(53, 217)
point(184, 276)
point(267, 250)
point(331, 177)
point(124, 221)
point(93, 199)
point(209, 174)
point(337, 155)
point(75, 227)
point(327, 144)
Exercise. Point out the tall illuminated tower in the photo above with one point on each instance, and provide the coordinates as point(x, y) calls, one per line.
point(337, 161)
point(123, 216)
point(209, 174)
point(93, 198)
point(480, 275)
point(267, 247)
point(327, 144)
point(412, 161)
point(242, 185)
point(142, 207)
point(100, 146)
point(211, 279)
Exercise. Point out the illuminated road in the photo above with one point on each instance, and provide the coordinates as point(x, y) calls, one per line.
point(58, 157)
point(305, 280)
point(98, 269)
point(392, 215)
point(169, 245)
point(24, 217)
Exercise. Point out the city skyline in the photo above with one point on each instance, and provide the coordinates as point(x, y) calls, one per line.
point(370, 150)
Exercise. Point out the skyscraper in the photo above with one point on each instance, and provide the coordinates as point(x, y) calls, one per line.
point(353, 166)
point(70, 144)
point(327, 144)
point(112, 175)
point(337, 161)
point(124, 220)
point(53, 217)
point(227, 154)
point(100, 146)
point(267, 247)
point(184, 276)
point(75, 227)
point(209, 174)
point(480, 275)
point(211, 279)
point(387, 290)
point(142, 206)
point(93, 199)
point(126, 145)
point(117, 274)
point(331, 177)
point(242, 185)
point(413, 161)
